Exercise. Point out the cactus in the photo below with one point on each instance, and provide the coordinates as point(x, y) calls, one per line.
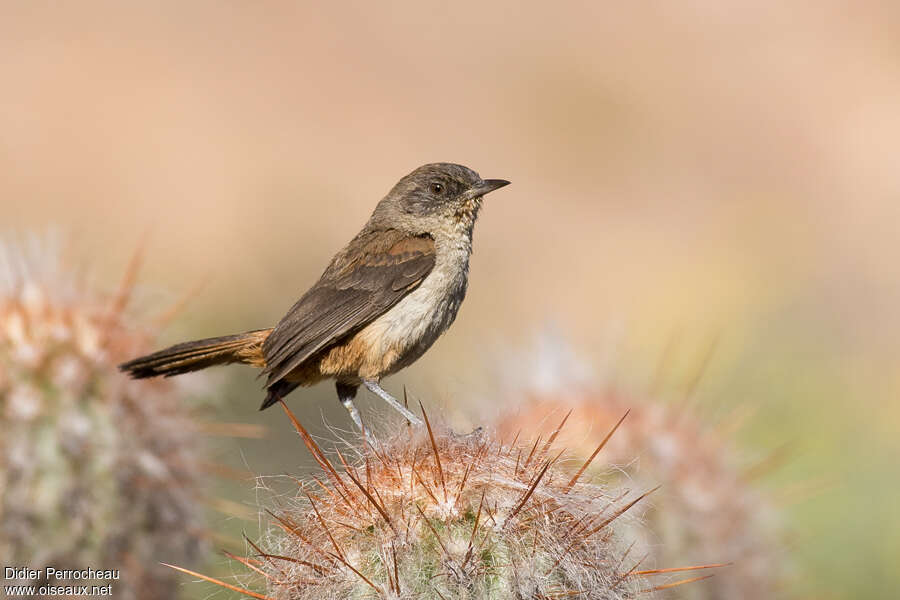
point(710, 506)
point(95, 470)
point(435, 515)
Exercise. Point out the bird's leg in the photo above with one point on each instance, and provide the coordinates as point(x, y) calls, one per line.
point(346, 394)
point(379, 391)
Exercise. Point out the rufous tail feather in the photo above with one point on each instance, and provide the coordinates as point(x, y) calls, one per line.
point(181, 358)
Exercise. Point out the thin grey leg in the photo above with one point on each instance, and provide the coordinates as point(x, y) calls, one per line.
point(379, 391)
point(346, 393)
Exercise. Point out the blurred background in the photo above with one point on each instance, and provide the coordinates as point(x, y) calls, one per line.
point(686, 176)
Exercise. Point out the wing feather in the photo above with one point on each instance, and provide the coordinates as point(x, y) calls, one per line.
point(374, 272)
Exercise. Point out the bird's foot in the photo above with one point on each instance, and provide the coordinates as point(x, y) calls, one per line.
point(474, 434)
point(376, 389)
point(354, 414)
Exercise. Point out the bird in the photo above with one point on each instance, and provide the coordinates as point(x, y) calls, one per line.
point(379, 305)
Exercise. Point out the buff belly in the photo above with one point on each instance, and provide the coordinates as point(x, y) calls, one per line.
point(401, 335)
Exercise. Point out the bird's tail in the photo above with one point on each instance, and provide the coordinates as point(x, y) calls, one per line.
point(199, 354)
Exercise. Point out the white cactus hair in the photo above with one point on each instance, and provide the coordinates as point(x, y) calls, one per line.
point(711, 506)
point(433, 515)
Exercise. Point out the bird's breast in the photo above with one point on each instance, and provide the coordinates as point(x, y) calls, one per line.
point(401, 335)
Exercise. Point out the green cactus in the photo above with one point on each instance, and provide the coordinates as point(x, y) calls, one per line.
point(440, 516)
point(710, 508)
point(95, 470)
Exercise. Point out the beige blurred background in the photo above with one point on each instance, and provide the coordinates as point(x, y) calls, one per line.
point(689, 171)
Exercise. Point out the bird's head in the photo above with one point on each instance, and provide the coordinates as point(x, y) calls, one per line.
point(437, 197)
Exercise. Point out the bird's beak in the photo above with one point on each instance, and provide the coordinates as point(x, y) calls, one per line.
point(488, 185)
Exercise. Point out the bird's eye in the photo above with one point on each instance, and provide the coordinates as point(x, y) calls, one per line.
point(437, 188)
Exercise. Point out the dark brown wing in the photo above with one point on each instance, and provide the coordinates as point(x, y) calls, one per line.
point(374, 272)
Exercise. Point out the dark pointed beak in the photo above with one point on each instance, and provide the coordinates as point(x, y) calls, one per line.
point(488, 185)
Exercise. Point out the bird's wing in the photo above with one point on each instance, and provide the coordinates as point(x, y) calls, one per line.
point(374, 272)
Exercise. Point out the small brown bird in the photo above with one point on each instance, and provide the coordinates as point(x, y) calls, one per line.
point(380, 304)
